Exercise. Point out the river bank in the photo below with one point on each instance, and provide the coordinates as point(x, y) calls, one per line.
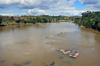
point(14, 23)
point(15, 20)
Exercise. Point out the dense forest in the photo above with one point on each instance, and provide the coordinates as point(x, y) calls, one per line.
point(13, 20)
point(89, 20)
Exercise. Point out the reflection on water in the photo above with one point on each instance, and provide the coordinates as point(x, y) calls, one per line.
point(20, 44)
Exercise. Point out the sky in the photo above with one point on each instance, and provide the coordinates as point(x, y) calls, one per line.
point(47, 7)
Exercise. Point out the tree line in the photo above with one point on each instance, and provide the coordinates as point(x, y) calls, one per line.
point(89, 20)
point(31, 19)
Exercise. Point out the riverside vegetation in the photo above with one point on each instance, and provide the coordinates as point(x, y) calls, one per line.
point(89, 20)
point(13, 20)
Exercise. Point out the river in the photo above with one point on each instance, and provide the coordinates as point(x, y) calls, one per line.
point(20, 44)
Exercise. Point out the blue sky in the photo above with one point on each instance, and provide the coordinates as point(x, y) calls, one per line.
point(47, 7)
point(78, 5)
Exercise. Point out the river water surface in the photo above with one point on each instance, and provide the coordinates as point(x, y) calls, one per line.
point(19, 44)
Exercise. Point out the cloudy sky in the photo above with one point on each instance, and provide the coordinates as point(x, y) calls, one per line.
point(47, 7)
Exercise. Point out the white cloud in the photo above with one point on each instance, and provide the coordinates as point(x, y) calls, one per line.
point(47, 12)
point(41, 4)
point(13, 14)
point(42, 7)
point(7, 14)
point(91, 4)
point(57, 12)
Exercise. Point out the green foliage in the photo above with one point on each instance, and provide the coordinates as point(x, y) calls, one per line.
point(90, 20)
point(37, 19)
point(12, 23)
point(19, 20)
point(2, 23)
point(76, 20)
point(44, 20)
point(12, 18)
point(22, 20)
point(7, 21)
point(32, 19)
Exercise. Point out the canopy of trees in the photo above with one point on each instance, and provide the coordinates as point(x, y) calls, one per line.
point(13, 20)
point(89, 20)
point(41, 19)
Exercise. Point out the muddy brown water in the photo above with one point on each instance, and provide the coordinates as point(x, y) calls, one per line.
point(19, 44)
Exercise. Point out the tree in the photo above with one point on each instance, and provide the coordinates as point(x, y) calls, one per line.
point(90, 20)
point(44, 20)
point(87, 22)
point(22, 20)
point(38, 19)
point(96, 22)
point(12, 18)
point(7, 21)
point(17, 21)
point(0, 20)
point(33, 21)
